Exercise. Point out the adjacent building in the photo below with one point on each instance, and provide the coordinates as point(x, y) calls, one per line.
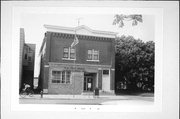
point(22, 42)
point(88, 65)
point(26, 61)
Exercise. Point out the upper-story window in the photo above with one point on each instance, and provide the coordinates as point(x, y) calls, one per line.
point(25, 56)
point(29, 58)
point(69, 53)
point(93, 55)
point(72, 53)
point(66, 53)
point(29, 50)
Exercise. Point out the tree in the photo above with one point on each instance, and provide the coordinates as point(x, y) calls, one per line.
point(119, 19)
point(134, 63)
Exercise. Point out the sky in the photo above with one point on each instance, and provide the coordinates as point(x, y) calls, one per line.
point(34, 30)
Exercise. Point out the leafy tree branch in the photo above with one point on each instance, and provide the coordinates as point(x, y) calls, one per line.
point(119, 19)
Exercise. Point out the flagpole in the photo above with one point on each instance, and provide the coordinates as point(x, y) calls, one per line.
point(74, 65)
point(75, 38)
point(74, 69)
point(74, 62)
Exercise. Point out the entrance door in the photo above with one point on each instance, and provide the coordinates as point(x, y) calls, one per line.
point(88, 83)
point(106, 80)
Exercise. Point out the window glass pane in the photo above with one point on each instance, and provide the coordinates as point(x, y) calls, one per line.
point(53, 81)
point(29, 49)
point(53, 73)
point(29, 58)
point(66, 52)
point(89, 54)
point(105, 72)
point(89, 51)
point(65, 55)
point(56, 76)
point(63, 77)
point(66, 49)
point(25, 56)
point(96, 52)
point(95, 57)
point(68, 76)
point(72, 56)
point(72, 50)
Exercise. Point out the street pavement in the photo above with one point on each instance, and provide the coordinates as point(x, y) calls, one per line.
point(88, 99)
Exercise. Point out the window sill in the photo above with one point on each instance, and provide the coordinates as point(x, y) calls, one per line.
point(92, 60)
point(68, 59)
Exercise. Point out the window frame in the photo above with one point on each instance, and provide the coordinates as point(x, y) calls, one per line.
point(90, 54)
point(69, 54)
point(29, 59)
point(64, 52)
point(55, 80)
point(93, 53)
point(105, 72)
point(25, 56)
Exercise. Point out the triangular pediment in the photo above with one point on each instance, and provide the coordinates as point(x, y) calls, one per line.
point(83, 30)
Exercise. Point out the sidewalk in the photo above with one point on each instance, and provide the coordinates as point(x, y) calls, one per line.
point(85, 97)
point(58, 97)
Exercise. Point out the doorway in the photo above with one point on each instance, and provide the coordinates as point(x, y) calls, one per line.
point(89, 82)
point(106, 80)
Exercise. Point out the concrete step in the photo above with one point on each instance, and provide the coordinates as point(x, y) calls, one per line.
point(105, 93)
point(87, 93)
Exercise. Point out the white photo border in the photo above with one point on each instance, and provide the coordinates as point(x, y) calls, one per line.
point(16, 12)
point(156, 107)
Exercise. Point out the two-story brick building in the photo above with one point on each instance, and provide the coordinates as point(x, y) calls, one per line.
point(28, 63)
point(74, 70)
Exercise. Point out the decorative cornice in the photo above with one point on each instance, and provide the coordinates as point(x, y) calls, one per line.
point(80, 30)
point(71, 36)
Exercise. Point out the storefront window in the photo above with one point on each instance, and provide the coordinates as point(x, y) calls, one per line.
point(61, 76)
point(56, 76)
point(68, 76)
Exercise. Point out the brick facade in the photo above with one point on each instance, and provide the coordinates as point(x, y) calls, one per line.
point(28, 64)
point(85, 75)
